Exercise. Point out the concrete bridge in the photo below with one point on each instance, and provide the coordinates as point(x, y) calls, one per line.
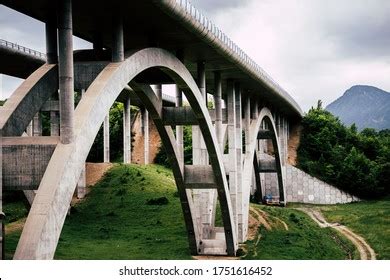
point(240, 145)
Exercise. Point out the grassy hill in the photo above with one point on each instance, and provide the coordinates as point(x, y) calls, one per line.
point(134, 213)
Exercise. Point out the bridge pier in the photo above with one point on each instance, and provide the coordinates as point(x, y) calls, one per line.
point(65, 71)
point(145, 132)
point(106, 138)
point(127, 131)
point(232, 148)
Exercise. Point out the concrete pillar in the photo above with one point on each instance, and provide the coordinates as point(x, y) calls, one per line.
point(255, 109)
point(37, 125)
point(240, 192)
point(29, 129)
point(81, 188)
point(247, 121)
point(127, 131)
point(2, 232)
point(65, 71)
point(232, 168)
point(218, 107)
point(51, 38)
point(179, 128)
point(54, 124)
point(204, 158)
point(82, 184)
point(145, 131)
point(158, 90)
point(106, 138)
point(118, 53)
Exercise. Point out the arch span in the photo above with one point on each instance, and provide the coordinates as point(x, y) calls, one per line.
point(249, 165)
point(47, 215)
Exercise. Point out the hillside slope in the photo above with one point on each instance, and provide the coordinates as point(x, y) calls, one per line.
point(366, 106)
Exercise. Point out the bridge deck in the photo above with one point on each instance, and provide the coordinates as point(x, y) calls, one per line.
point(173, 25)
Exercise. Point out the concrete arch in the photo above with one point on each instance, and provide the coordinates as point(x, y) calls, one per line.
point(46, 218)
point(264, 115)
point(28, 98)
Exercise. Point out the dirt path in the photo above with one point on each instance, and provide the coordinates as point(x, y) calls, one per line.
point(365, 250)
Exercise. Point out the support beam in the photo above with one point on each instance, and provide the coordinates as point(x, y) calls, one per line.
point(65, 70)
point(127, 131)
point(199, 177)
point(106, 138)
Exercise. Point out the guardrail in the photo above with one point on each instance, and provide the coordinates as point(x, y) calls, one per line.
point(22, 49)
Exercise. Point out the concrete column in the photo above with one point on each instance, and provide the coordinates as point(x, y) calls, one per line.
point(106, 138)
point(29, 129)
point(37, 125)
point(255, 109)
point(145, 131)
point(232, 168)
point(82, 184)
point(2, 232)
point(65, 71)
point(54, 124)
point(81, 189)
point(247, 121)
point(118, 53)
point(127, 131)
point(51, 38)
point(179, 128)
point(158, 90)
point(218, 107)
point(241, 204)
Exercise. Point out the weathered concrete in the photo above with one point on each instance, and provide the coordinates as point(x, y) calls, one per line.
point(25, 160)
point(65, 71)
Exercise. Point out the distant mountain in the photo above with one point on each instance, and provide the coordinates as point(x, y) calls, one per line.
point(366, 106)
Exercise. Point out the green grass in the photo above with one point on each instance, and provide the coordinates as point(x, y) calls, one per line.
point(304, 240)
point(116, 221)
point(370, 219)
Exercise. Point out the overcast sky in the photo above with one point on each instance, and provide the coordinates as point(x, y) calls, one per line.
point(314, 49)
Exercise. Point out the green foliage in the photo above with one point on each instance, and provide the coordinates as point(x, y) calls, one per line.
point(355, 162)
point(116, 136)
point(162, 158)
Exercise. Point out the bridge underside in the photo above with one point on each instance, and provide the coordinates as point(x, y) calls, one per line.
point(248, 119)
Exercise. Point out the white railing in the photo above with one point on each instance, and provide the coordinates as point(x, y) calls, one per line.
point(22, 49)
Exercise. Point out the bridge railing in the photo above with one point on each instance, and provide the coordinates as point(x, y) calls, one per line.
point(22, 49)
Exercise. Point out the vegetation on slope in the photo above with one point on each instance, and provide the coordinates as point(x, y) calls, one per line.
point(358, 163)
